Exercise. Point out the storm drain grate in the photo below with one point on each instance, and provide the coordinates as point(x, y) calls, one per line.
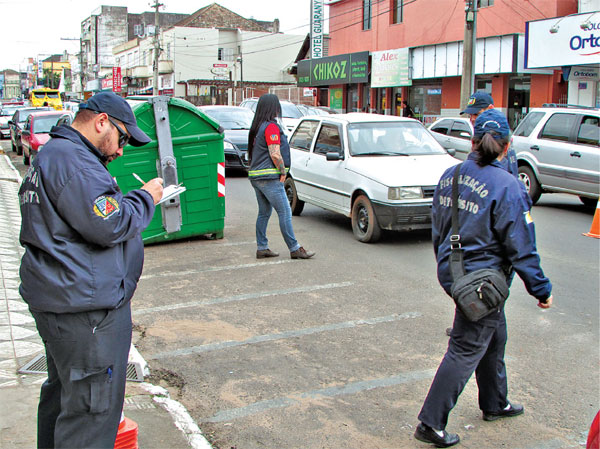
point(38, 365)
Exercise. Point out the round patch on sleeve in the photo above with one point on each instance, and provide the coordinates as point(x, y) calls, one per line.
point(105, 206)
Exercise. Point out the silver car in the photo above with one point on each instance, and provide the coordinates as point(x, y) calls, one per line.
point(557, 151)
point(454, 134)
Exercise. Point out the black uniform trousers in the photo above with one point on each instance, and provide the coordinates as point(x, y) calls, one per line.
point(82, 399)
point(475, 347)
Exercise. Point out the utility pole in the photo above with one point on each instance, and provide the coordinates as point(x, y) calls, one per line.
point(467, 84)
point(156, 48)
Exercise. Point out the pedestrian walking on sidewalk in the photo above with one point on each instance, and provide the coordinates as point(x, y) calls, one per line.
point(269, 154)
point(496, 231)
point(83, 259)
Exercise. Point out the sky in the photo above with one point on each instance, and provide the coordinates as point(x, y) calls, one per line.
point(35, 27)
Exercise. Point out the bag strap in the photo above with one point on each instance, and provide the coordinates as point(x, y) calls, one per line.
point(457, 268)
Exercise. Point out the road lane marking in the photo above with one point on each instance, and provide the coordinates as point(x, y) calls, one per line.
point(244, 297)
point(212, 269)
point(283, 335)
point(348, 389)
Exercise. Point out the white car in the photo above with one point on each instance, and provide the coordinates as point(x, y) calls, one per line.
point(454, 134)
point(379, 170)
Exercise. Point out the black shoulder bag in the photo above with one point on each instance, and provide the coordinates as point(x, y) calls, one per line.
point(479, 293)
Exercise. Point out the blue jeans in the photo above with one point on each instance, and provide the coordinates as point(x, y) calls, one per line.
point(270, 195)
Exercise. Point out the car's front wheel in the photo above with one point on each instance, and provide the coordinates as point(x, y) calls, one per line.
point(532, 185)
point(364, 222)
point(292, 195)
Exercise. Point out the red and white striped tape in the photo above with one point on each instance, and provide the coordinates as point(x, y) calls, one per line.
point(221, 179)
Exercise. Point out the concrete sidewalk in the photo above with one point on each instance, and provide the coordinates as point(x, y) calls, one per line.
point(162, 422)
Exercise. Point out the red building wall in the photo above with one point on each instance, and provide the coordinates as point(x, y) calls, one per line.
point(427, 22)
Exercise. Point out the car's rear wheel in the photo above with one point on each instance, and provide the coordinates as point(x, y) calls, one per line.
point(364, 222)
point(532, 185)
point(292, 196)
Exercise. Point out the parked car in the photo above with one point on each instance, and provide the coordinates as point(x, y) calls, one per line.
point(36, 131)
point(557, 151)
point(236, 122)
point(290, 112)
point(6, 113)
point(381, 171)
point(16, 124)
point(314, 110)
point(454, 134)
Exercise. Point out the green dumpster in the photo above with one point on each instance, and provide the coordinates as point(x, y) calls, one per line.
point(186, 148)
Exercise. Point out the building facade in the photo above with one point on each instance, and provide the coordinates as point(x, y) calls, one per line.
point(214, 56)
point(415, 54)
point(108, 27)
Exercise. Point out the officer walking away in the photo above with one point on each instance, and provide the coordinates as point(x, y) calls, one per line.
point(496, 232)
point(83, 258)
point(478, 103)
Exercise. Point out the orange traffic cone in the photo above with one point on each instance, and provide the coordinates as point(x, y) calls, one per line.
point(127, 434)
point(595, 229)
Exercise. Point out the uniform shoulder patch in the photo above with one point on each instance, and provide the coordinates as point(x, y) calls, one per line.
point(105, 206)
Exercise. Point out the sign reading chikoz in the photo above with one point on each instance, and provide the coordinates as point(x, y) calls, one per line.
point(341, 69)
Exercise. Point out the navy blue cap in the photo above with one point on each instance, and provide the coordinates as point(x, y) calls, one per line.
point(491, 121)
point(477, 102)
point(116, 107)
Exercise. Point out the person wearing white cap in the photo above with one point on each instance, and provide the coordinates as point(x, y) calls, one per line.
point(83, 258)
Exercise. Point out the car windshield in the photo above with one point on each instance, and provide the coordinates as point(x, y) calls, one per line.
point(391, 139)
point(231, 118)
point(44, 124)
point(289, 110)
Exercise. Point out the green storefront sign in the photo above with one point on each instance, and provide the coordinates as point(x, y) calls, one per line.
point(342, 69)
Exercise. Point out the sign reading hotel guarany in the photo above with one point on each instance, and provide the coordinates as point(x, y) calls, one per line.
point(316, 28)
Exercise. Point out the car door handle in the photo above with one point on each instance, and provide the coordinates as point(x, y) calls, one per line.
point(575, 154)
point(535, 147)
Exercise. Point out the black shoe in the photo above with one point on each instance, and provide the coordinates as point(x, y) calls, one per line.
point(514, 410)
point(301, 253)
point(428, 435)
point(262, 253)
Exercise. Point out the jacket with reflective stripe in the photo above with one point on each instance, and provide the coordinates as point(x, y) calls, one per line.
point(262, 166)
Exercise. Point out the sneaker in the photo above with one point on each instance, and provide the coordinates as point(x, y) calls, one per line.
point(513, 410)
point(262, 253)
point(426, 434)
point(301, 253)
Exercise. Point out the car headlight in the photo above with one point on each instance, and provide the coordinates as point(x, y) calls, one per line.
point(404, 193)
point(228, 145)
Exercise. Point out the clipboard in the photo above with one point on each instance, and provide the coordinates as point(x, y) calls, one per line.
point(171, 192)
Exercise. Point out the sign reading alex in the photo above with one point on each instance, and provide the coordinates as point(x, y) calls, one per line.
point(389, 68)
point(341, 69)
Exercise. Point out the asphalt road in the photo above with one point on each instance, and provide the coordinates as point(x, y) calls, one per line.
point(339, 351)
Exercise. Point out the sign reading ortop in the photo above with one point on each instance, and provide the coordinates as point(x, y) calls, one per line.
point(561, 41)
point(316, 28)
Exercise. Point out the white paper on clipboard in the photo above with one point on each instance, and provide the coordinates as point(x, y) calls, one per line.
point(171, 192)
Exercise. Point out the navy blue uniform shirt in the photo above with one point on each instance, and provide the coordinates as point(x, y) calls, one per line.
point(495, 225)
point(83, 248)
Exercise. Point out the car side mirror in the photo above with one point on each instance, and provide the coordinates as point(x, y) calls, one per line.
point(451, 151)
point(334, 156)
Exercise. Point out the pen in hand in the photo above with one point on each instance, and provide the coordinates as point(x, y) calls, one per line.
point(138, 178)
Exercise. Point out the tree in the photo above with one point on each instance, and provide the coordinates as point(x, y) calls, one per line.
point(51, 79)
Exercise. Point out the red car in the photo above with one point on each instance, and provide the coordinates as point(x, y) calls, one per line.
point(36, 129)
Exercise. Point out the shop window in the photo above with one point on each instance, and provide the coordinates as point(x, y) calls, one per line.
point(396, 9)
point(367, 14)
